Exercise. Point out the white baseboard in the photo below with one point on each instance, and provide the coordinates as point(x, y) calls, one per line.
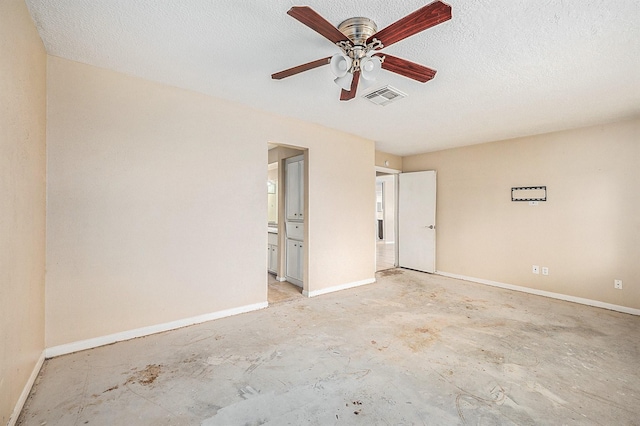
point(338, 288)
point(145, 331)
point(280, 279)
point(544, 293)
point(25, 392)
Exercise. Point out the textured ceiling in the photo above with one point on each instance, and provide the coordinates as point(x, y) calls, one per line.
point(506, 68)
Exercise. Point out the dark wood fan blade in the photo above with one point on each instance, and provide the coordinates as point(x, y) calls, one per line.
point(420, 20)
point(407, 68)
point(313, 20)
point(348, 95)
point(301, 68)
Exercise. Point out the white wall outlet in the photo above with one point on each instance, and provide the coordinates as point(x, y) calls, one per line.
point(545, 270)
point(617, 284)
point(535, 269)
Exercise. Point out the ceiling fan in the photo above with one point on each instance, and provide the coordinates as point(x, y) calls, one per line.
point(360, 43)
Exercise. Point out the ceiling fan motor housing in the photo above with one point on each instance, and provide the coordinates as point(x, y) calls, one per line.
point(358, 30)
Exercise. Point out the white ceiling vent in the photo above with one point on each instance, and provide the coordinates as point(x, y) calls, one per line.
point(385, 95)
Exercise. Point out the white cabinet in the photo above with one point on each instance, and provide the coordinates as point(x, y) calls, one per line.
point(294, 230)
point(294, 191)
point(273, 258)
point(295, 262)
point(272, 252)
point(294, 206)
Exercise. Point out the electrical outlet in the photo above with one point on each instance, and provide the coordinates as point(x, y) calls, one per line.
point(545, 270)
point(535, 269)
point(617, 284)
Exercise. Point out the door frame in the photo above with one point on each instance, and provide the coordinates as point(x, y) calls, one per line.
point(395, 173)
point(281, 160)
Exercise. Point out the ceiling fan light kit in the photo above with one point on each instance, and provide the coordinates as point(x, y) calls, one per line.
point(370, 67)
point(360, 42)
point(344, 81)
point(340, 64)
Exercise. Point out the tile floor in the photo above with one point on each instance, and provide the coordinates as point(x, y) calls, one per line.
point(281, 291)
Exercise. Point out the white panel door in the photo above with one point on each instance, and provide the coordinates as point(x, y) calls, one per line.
point(417, 221)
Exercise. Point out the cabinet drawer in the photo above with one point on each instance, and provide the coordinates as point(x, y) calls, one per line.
point(295, 230)
point(272, 239)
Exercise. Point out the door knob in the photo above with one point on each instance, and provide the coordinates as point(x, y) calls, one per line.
point(430, 227)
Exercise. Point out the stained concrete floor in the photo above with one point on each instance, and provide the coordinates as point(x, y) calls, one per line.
point(411, 349)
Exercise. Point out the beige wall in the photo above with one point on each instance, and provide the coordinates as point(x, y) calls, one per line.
point(157, 203)
point(587, 233)
point(22, 207)
point(394, 161)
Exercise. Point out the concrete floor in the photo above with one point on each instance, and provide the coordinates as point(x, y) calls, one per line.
point(411, 349)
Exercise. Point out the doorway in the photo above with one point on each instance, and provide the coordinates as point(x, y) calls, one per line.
point(280, 196)
point(386, 223)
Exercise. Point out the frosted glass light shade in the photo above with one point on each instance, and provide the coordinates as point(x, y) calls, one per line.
point(370, 67)
point(344, 81)
point(340, 64)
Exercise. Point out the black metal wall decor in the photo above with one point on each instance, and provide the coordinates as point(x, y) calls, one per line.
point(529, 193)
